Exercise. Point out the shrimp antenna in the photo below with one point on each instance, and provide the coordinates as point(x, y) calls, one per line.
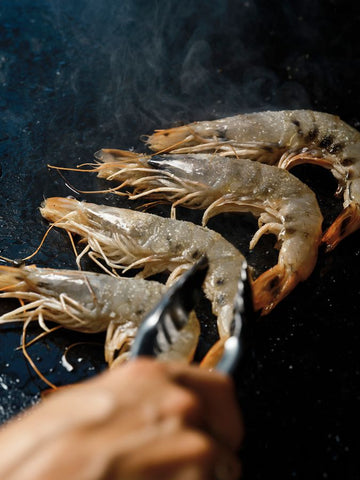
point(146, 206)
point(15, 263)
point(76, 190)
point(72, 243)
point(40, 245)
point(72, 169)
point(21, 261)
point(67, 183)
point(30, 360)
point(40, 336)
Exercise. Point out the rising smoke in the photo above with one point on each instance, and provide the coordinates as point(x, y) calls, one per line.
point(143, 64)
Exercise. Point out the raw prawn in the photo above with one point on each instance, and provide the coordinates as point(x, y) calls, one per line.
point(125, 239)
point(283, 204)
point(283, 138)
point(90, 302)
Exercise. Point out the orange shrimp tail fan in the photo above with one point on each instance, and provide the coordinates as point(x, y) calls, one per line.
point(346, 223)
point(271, 287)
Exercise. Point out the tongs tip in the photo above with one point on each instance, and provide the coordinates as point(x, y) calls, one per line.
point(172, 313)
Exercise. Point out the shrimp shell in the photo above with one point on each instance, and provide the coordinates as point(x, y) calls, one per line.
point(90, 302)
point(125, 239)
point(283, 204)
point(283, 138)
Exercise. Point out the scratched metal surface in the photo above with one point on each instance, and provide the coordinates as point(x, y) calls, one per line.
point(75, 77)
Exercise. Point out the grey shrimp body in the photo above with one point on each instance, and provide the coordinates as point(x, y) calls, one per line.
point(283, 205)
point(126, 239)
point(88, 302)
point(283, 138)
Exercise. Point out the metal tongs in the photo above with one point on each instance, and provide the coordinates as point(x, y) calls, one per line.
point(163, 325)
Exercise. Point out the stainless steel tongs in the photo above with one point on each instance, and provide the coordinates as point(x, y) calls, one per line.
point(163, 325)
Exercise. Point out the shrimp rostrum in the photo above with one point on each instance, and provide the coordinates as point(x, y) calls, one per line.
point(283, 205)
point(283, 138)
point(90, 302)
point(123, 239)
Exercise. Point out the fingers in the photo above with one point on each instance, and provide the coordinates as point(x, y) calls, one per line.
point(180, 454)
point(207, 399)
point(200, 398)
point(219, 405)
point(145, 419)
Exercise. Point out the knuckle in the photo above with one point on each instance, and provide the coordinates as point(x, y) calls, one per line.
point(187, 403)
point(145, 367)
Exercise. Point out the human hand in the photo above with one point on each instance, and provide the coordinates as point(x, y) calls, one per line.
point(145, 420)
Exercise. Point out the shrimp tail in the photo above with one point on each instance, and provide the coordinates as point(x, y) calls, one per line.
point(271, 287)
point(214, 355)
point(346, 223)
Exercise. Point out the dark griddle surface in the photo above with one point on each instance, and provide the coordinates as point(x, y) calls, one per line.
point(78, 76)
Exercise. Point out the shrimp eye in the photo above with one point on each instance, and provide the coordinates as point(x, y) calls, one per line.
point(157, 162)
point(221, 133)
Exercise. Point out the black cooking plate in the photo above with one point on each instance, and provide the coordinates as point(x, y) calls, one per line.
point(78, 76)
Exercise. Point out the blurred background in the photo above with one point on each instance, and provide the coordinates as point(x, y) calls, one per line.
point(79, 76)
